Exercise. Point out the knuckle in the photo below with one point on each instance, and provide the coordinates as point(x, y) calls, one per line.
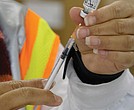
point(106, 43)
point(38, 84)
point(16, 84)
point(129, 43)
point(97, 31)
point(116, 11)
point(120, 27)
point(26, 92)
point(100, 15)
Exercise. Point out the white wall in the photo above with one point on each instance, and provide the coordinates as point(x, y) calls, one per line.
point(51, 11)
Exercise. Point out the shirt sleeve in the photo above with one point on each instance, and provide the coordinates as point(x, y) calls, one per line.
point(89, 77)
point(81, 96)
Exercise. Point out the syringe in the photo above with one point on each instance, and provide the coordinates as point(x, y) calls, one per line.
point(59, 63)
point(89, 5)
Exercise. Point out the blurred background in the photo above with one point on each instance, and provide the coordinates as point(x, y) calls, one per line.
point(56, 13)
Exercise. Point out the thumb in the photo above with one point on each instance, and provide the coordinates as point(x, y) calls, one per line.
point(75, 15)
point(28, 96)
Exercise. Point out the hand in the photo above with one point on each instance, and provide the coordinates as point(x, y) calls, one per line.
point(17, 94)
point(110, 30)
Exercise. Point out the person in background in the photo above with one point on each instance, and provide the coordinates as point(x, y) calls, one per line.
point(98, 75)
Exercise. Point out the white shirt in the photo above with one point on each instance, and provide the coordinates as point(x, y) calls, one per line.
point(115, 95)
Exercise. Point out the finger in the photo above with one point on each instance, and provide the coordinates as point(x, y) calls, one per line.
point(116, 43)
point(113, 27)
point(28, 96)
point(116, 10)
point(122, 60)
point(11, 85)
point(75, 15)
point(98, 64)
point(81, 41)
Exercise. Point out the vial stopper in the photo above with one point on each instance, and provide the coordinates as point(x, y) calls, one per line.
point(83, 14)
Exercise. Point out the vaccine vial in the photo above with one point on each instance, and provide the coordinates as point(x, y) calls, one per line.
point(89, 5)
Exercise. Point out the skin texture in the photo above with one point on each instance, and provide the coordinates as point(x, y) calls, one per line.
point(17, 94)
point(110, 31)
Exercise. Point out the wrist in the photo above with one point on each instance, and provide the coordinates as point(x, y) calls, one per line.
point(89, 77)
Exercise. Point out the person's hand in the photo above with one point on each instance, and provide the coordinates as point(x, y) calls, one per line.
point(110, 30)
point(17, 94)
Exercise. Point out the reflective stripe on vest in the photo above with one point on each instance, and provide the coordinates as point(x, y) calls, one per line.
point(40, 49)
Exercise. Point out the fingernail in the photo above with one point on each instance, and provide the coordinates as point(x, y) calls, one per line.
point(92, 41)
point(58, 99)
point(90, 20)
point(95, 51)
point(82, 33)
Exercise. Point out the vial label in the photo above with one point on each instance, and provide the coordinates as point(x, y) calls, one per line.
point(91, 4)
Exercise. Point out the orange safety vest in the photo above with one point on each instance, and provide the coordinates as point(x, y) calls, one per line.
point(40, 49)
